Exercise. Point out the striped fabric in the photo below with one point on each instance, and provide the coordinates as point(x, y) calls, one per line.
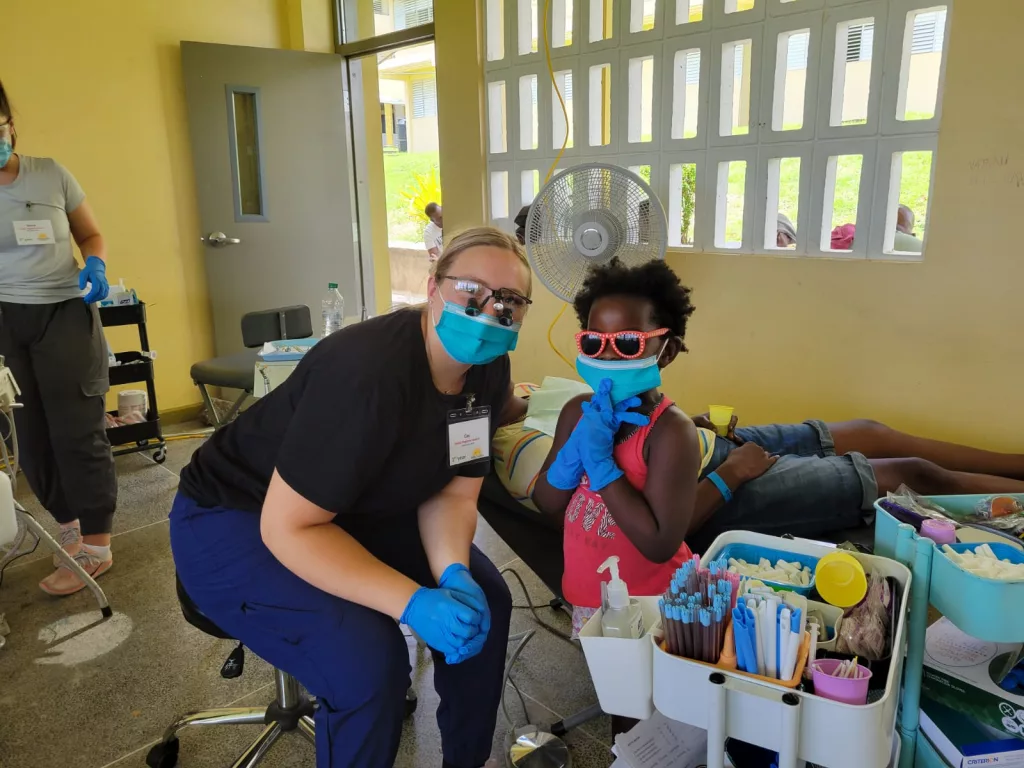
point(519, 453)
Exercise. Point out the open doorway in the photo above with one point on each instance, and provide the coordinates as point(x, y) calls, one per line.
point(412, 178)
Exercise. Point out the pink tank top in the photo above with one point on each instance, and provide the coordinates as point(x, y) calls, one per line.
point(591, 535)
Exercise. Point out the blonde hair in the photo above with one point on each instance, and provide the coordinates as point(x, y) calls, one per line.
point(481, 236)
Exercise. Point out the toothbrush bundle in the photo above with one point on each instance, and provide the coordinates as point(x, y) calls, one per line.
point(768, 629)
point(696, 607)
point(848, 670)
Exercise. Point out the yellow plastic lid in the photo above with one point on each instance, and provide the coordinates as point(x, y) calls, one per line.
point(840, 580)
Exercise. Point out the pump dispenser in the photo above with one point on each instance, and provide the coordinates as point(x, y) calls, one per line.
point(622, 616)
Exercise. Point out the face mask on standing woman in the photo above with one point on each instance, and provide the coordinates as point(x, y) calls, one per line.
point(6, 150)
point(473, 339)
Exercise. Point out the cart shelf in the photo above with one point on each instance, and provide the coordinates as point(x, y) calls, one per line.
point(135, 367)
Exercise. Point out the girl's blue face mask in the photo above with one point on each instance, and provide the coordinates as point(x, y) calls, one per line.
point(6, 150)
point(629, 377)
point(474, 339)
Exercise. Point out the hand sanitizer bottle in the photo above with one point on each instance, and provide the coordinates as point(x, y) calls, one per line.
point(622, 616)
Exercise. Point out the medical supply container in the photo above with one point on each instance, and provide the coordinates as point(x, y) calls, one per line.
point(620, 667)
point(988, 609)
point(732, 704)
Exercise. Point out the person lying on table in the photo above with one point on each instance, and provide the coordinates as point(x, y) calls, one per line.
point(632, 475)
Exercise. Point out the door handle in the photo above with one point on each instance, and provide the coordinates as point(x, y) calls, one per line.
point(219, 240)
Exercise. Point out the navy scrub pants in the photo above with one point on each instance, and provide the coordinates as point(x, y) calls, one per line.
point(352, 658)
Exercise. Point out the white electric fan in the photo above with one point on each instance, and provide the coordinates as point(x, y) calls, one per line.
point(585, 216)
point(588, 215)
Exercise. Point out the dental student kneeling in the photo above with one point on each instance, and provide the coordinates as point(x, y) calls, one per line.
point(346, 501)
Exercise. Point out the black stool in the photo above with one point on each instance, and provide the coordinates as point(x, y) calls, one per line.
point(290, 710)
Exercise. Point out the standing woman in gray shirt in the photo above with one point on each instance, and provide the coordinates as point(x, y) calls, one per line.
point(53, 343)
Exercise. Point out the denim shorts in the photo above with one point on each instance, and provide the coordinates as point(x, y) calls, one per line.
point(808, 492)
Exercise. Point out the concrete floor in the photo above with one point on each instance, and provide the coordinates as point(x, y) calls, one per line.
point(78, 692)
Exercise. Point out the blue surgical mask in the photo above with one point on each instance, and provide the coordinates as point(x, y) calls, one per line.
point(474, 339)
point(628, 377)
point(6, 150)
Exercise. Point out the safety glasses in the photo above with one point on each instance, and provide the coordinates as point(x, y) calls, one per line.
point(625, 344)
point(474, 295)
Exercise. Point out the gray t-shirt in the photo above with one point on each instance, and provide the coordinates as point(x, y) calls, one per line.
point(38, 274)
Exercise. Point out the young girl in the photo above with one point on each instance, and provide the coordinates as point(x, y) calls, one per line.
point(634, 476)
point(624, 466)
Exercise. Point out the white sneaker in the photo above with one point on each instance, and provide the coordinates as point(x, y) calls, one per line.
point(70, 541)
point(64, 581)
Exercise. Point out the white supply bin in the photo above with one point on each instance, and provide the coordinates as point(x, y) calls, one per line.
point(829, 732)
point(622, 669)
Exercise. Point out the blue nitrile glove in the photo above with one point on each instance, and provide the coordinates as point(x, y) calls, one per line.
point(444, 622)
point(459, 581)
point(95, 274)
point(566, 470)
point(596, 442)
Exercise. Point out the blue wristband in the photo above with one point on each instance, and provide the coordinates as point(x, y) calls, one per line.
point(719, 483)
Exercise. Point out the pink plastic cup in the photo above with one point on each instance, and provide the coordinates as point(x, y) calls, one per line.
point(846, 690)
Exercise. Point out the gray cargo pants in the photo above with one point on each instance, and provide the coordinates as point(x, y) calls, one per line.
point(59, 358)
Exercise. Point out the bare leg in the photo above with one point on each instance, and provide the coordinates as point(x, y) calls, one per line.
point(877, 441)
point(929, 478)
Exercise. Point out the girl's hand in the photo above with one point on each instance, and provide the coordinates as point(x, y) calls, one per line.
point(746, 463)
point(704, 422)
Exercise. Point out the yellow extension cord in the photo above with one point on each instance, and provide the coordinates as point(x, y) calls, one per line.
point(554, 165)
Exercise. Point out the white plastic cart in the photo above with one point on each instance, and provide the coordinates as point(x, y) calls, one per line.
point(634, 677)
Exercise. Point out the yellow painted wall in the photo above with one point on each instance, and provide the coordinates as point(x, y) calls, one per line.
point(98, 86)
point(460, 112)
point(936, 347)
point(422, 130)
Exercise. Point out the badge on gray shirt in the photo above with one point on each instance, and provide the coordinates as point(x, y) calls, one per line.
point(37, 260)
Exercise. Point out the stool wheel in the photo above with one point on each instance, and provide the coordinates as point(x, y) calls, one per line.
point(160, 455)
point(163, 754)
point(410, 702)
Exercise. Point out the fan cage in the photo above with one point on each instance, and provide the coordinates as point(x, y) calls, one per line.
point(603, 198)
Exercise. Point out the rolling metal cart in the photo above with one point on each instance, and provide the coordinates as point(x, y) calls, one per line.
point(135, 367)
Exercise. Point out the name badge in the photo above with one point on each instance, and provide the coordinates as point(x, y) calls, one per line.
point(38, 232)
point(469, 436)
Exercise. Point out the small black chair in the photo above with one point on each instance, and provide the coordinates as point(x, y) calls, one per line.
point(238, 371)
point(290, 710)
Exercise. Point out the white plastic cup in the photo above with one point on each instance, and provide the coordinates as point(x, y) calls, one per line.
point(131, 401)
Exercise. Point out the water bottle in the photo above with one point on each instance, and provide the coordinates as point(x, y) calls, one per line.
point(333, 310)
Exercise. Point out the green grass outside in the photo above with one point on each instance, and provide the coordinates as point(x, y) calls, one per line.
point(400, 171)
point(915, 179)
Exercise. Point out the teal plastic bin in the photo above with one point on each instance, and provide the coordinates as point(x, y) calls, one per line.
point(983, 608)
point(753, 553)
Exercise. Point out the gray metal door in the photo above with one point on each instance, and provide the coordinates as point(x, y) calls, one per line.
point(272, 172)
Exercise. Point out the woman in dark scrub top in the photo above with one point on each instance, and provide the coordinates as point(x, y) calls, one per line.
point(345, 502)
point(53, 343)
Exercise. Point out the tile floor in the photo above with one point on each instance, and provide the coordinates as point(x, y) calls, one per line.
point(75, 691)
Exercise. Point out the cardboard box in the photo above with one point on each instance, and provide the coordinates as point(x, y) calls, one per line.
point(962, 673)
point(965, 743)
